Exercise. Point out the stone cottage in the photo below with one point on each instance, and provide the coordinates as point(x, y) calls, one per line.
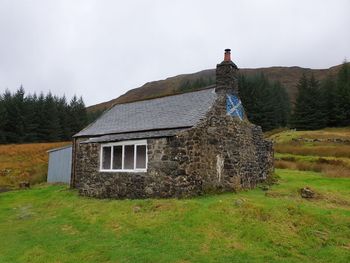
point(175, 146)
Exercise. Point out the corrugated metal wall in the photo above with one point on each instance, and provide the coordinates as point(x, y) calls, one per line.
point(60, 163)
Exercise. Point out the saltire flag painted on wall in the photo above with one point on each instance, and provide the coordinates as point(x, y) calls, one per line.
point(234, 107)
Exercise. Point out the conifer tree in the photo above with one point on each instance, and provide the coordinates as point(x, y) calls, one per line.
point(329, 101)
point(31, 119)
point(266, 103)
point(301, 108)
point(343, 96)
point(3, 120)
point(15, 125)
point(63, 115)
point(309, 108)
point(51, 126)
point(39, 109)
point(77, 115)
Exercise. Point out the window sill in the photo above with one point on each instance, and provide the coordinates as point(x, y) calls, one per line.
point(124, 171)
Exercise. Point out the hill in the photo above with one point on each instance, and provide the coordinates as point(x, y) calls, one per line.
point(288, 76)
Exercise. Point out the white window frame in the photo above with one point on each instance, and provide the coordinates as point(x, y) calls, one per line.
point(123, 144)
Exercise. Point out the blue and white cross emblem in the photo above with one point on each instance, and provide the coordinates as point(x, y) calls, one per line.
point(234, 107)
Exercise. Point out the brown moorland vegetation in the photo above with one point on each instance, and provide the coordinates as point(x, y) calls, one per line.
point(24, 162)
point(315, 149)
point(332, 170)
point(326, 151)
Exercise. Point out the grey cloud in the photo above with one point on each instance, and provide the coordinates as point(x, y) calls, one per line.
point(100, 49)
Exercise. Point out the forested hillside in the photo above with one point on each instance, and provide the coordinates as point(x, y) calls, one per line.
point(266, 103)
point(321, 104)
point(286, 76)
point(39, 118)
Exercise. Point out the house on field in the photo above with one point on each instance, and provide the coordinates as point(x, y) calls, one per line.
point(175, 146)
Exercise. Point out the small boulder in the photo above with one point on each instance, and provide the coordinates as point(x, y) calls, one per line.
point(306, 192)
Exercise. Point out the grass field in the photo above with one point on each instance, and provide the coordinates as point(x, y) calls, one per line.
point(24, 162)
point(51, 223)
point(54, 224)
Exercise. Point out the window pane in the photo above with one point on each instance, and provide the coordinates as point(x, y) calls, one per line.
point(117, 157)
point(106, 158)
point(129, 157)
point(140, 156)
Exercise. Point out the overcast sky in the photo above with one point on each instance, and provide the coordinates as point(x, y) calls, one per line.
point(100, 49)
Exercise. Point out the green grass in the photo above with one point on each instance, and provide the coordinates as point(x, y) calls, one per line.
point(286, 136)
point(54, 224)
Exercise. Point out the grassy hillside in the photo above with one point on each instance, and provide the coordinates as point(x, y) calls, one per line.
point(288, 76)
point(326, 151)
point(24, 162)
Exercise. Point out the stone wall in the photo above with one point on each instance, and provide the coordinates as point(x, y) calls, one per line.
point(220, 153)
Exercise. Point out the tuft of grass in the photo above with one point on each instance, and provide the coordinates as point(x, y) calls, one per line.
point(54, 224)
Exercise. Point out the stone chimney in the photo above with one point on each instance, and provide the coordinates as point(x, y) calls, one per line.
point(226, 75)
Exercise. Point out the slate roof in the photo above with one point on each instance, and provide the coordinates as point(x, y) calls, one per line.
point(171, 112)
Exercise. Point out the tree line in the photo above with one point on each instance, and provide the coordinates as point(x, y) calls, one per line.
point(266, 103)
point(47, 118)
point(323, 104)
point(39, 118)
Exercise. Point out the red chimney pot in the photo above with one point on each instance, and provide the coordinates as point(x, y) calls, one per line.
point(227, 56)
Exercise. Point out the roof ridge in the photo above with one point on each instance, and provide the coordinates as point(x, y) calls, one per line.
point(165, 96)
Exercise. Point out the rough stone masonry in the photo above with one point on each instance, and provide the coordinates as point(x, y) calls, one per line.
point(222, 152)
